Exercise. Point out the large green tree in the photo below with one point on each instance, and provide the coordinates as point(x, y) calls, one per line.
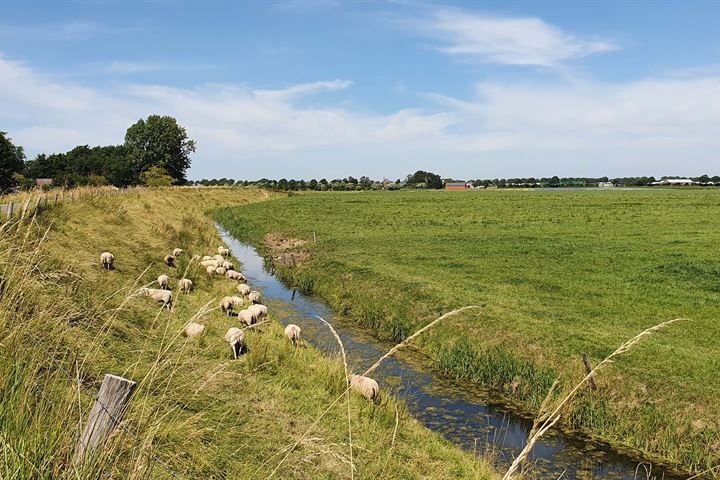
point(12, 162)
point(161, 142)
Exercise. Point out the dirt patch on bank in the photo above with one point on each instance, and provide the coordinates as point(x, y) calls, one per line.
point(286, 250)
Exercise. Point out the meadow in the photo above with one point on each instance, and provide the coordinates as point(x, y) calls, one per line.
point(558, 273)
point(197, 413)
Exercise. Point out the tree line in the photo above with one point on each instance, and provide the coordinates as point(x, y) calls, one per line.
point(156, 152)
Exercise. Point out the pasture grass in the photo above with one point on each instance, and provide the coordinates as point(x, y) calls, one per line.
point(65, 322)
point(557, 272)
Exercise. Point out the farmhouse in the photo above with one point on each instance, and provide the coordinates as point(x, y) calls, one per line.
point(41, 182)
point(457, 186)
point(674, 181)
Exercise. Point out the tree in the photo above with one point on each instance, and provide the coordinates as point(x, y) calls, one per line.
point(426, 179)
point(160, 142)
point(156, 177)
point(12, 162)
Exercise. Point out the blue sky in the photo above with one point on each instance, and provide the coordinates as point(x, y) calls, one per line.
point(326, 88)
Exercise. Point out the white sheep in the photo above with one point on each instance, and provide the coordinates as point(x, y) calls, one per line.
point(227, 305)
point(194, 329)
point(185, 285)
point(228, 265)
point(243, 289)
point(177, 252)
point(254, 297)
point(163, 280)
point(233, 275)
point(220, 271)
point(367, 387)
point(209, 263)
point(236, 338)
point(107, 260)
point(259, 311)
point(211, 269)
point(164, 296)
point(223, 251)
point(246, 316)
point(207, 257)
point(292, 332)
point(169, 260)
point(237, 301)
point(219, 258)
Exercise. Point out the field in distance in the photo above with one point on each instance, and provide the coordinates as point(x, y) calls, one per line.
point(558, 273)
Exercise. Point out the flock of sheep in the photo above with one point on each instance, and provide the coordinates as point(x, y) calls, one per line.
point(219, 265)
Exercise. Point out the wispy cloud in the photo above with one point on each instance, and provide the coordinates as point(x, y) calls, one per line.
point(505, 40)
point(119, 67)
point(71, 31)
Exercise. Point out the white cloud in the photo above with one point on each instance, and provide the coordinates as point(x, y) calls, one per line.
point(119, 67)
point(77, 30)
point(653, 126)
point(506, 40)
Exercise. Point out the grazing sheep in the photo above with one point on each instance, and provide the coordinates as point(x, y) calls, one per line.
point(220, 271)
point(237, 300)
point(107, 260)
point(208, 257)
point(220, 259)
point(185, 285)
point(228, 266)
point(211, 269)
point(223, 251)
point(254, 297)
point(260, 311)
point(227, 305)
point(292, 332)
point(209, 263)
point(236, 338)
point(163, 280)
point(233, 275)
point(367, 387)
point(194, 329)
point(169, 260)
point(243, 289)
point(164, 296)
point(246, 316)
point(177, 252)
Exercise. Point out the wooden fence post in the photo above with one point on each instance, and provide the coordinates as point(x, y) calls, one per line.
point(108, 410)
point(56, 198)
point(588, 369)
point(72, 195)
point(10, 207)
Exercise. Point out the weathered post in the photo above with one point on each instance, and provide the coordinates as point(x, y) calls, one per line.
point(10, 210)
point(108, 410)
point(56, 199)
point(72, 195)
point(588, 369)
point(314, 238)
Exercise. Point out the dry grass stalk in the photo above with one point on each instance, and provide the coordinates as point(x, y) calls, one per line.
point(547, 418)
point(369, 370)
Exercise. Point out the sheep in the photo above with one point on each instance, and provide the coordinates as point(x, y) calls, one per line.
point(207, 257)
point(220, 271)
point(107, 260)
point(177, 252)
point(237, 301)
point(209, 263)
point(292, 332)
point(163, 280)
point(254, 297)
point(220, 259)
point(194, 329)
point(259, 311)
point(211, 269)
point(367, 387)
point(227, 305)
point(169, 260)
point(233, 275)
point(185, 285)
point(236, 338)
point(228, 266)
point(164, 296)
point(246, 316)
point(243, 289)
point(223, 251)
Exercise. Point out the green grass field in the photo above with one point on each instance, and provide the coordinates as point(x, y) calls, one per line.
point(65, 321)
point(558, 273)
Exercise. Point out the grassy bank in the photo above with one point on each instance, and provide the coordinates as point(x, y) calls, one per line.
point(65, 322)
point(558, 272)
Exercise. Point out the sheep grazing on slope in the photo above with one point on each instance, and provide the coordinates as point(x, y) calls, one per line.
point(107, 260)
point(211, 269)
point(209, 263)
point(207, 257)
point(220, 271)
point(243, 289)
point(236, 338)
point(194, 329)
point(163, 280)
point(164, 296)
point(223, 251)
point(259, 311)
point(367, 387)
point(246, 316)
point(177, 252)
point(220, 259)
point(228, 265)
point(254, 297)
point(227, 305)
point(292, 332)
point(185, 285)
point(237, 301)
point(233, 275)
point(169, 260)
